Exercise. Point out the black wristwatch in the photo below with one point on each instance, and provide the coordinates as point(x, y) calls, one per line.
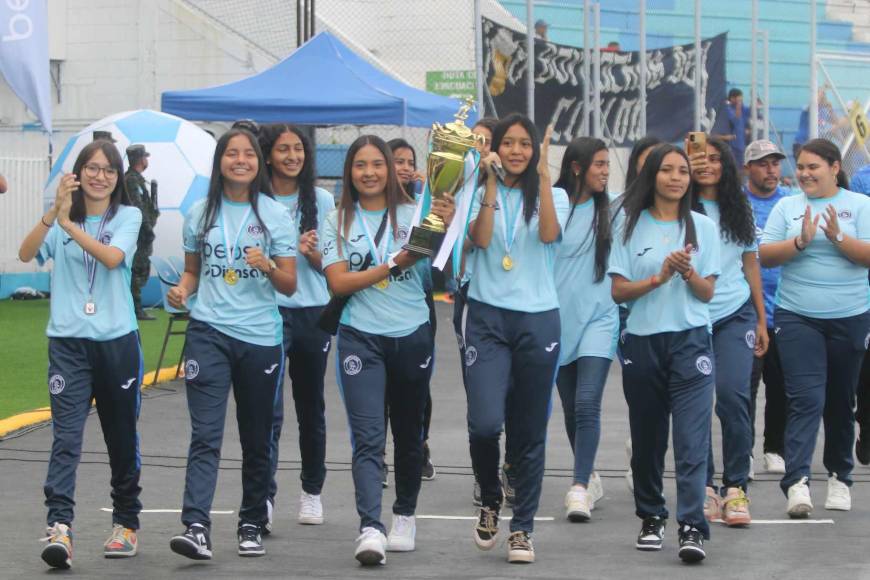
point(395, 269)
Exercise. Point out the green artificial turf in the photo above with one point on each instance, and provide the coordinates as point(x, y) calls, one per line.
point(24, 359)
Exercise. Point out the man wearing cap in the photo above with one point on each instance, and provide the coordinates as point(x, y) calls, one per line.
point(763, 189)
point(541, 27)
point(106, 135)
point(140, 196)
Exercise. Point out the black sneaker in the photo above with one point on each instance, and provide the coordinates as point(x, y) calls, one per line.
point(691, 544)
point(862, 448)
point(428, 467)
point(194, 543)
point(475, 494)
point(385, 481)
point(250, 541)
point(486, 528)
point(652, 534)
point(507, 485)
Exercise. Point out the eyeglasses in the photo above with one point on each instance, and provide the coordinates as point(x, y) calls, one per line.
point(92, 171)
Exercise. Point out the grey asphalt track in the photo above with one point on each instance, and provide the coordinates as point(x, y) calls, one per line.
point(603, 548)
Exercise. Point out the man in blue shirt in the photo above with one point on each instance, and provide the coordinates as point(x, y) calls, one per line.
point(763, 159)
point(738, 124)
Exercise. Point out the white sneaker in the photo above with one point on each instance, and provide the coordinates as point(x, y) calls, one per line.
point(774, 463)
point(402, 534)
point(839, 497)
point(578, 505)
point(799, 503)
point(370, 547)
point(595, 489)
point(310, 509)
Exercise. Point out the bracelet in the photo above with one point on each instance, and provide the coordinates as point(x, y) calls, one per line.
point(490, 205)
point(688, 276)
point(796, 245)
point(42, 219)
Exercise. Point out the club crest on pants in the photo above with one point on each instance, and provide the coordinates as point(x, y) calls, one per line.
point(191, 369)
point(704, 365)
point(352, 365)
point(470, 355)
point(750, 338)
point(56, 384)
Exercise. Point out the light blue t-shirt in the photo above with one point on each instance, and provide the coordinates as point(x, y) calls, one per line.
point(400, 308)
point(529, 286)
point(821, 282)
point(114, 314)
point(590, 319)
point(732, 289)
point(310, 284)
point(248, 309)
point(673, 306)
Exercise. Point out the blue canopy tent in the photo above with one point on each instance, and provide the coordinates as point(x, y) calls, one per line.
point(322, 83)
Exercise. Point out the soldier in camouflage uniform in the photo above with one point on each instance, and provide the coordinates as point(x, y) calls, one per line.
point(140, 195)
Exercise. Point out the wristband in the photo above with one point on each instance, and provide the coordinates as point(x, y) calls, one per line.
point(796, 245)
point(42, 219)
point(395, 269)
point(490, 205)
point(688, 275)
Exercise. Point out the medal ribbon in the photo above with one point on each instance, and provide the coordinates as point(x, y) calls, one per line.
point(379, 256)
point(231, 250)
point(90, 261)
point(509, 236)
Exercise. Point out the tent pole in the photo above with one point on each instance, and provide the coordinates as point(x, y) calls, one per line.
point(313, 21)
point(530, 52)
point(305, 16)
point(299, 17)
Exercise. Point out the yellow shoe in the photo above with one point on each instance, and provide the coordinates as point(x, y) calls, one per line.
point(122, 543)
point(58, 552)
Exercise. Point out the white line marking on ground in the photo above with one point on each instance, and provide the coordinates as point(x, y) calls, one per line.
point(176, 511)
point(472, 518)
point(767, 522)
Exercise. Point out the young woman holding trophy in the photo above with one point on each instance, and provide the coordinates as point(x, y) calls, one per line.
point(240, 248)
point(589, 317)
point(384, 340)
point(512, 327)
point(290, 163)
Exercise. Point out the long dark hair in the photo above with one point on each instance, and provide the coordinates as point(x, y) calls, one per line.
point(640, 146)
point(78, 212)
point(399, 143)
point(640, 194)
point(394, 193)
point(529, 181)
point(268, 135)
point(736, 221)
point(830, 153)
point(214, 197)
point(581, 151)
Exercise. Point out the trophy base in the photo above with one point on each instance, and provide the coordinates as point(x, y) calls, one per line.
point(424, 242)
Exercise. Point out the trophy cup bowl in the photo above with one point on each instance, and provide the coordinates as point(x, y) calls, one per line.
point(445, 169)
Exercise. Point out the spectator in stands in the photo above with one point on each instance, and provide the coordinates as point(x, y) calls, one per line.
point(612, 46)
point(3, 184)
point(738, 124)
point(860, 181)
point(541, 28)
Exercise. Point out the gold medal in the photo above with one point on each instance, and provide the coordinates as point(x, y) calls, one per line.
point(231, 277)
point(507, 263)
point(383, 284)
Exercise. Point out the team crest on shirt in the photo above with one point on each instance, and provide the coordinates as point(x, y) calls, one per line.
point(352, 365)
point(470, 355)
point(750, 338)
point(191, 369)
point(704, 365)
point(255, 230)
point(56, 384)
point(401, 233)
point(845, 214)
point(106, 238)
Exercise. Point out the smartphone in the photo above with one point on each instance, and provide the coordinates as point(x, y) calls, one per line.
point(697, 142)
point(499, 171)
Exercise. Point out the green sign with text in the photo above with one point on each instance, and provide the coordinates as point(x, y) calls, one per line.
point(452, 83)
